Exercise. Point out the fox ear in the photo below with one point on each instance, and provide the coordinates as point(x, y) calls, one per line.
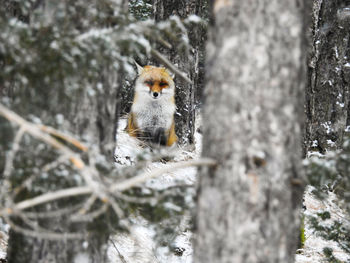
point(139, 68)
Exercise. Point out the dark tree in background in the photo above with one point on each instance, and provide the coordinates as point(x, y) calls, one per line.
point(327, 94)
point(190, 61)
point(248, 206)
point(328, 118)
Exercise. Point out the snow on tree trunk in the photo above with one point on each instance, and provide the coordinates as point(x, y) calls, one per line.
point(188, 62)
point(248, 206)
point(327, 94)
point(88, 112)
point(92, 118)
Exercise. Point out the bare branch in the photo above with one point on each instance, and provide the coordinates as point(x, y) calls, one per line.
point(63, 136)
point(87, 204)
point(55, 213)
point(164, 43)
point(122, 258)
point(11, 155)
point(90, 216)
point(124, 185)
point(35, 131)
point(170, 66)
point(27, 182)
point(155, 173)
point(44, 235)
point(51, 196)
point(89, 174)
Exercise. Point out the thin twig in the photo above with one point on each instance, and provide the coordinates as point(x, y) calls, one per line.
point(89, 173)
point(55, 213)
point(6, 184)
point(122, 258)
point(33, 130)
point(43, 235)
point(27, 182)
point(48, 197)
point(170, 66)
point(64, 136)
point(164, 43)
point(87, 204)
point(11, 155)
point(90, 216)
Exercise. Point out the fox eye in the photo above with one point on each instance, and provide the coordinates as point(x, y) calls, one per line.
point(163, 84)
point(149, 82)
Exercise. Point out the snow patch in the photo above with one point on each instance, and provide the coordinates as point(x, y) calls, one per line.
point(314, 244)
point(139, 246)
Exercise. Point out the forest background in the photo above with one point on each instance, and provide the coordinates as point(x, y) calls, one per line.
point(270, 80)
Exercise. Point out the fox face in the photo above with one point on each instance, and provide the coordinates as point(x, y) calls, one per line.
point(155, 82)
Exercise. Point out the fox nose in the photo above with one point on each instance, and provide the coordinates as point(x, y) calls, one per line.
point(155, 94)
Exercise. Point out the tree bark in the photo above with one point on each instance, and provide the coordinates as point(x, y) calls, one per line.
point(189, 62)
point(92, 119)
point(248, 206)
point(90, 114)
point(327, 94)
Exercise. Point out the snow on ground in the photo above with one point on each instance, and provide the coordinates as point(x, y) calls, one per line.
point(314, 244)
point(3, 242)
point(139, 246)
point(313, 247)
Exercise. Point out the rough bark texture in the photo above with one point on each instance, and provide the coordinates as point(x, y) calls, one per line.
point(188, 62)
point(327, 94)
point(248, 205)
point(92, 119)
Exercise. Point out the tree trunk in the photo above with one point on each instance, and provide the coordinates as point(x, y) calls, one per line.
point(248, 206)
point(189, 62)
point(93, 120)
point(327, 94)
point(89, 113)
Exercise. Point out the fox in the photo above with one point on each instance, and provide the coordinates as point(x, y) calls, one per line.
point(151, 117)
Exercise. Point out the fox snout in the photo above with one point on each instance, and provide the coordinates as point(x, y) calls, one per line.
point(155, 94)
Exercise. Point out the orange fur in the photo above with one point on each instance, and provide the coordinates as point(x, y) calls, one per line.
point(172, 138)
point(131, 128)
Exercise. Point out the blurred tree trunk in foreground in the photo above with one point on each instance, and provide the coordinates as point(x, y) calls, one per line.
point(188, 61)
point(248, 206)
point(50, 95)
point(327, 94)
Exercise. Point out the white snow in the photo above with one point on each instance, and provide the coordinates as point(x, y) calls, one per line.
point(82, 258)
point(341, 104)
point(314, 244)
point(194, 19)
point(139, 246)
point(127, 146)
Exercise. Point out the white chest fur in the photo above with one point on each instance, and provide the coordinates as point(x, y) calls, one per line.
point(152, 113)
